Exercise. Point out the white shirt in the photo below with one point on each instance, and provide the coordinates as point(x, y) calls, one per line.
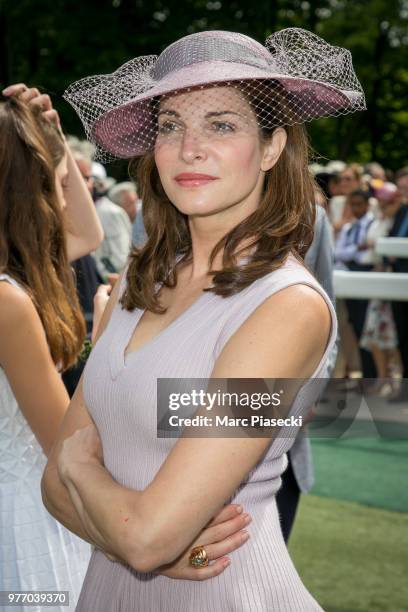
point(351, 236)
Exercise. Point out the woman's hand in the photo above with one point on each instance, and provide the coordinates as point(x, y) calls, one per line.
point(32, 96)
point(224, 534)
point(113, 277)
point(84, 446)
point(100, 300)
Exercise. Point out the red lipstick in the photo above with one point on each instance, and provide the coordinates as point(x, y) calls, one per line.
point(194, 179)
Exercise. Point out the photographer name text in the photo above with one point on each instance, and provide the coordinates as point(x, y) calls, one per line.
point(225, 421)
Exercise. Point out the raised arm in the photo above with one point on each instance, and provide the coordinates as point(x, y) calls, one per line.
point(84, 231)
point(152, 527)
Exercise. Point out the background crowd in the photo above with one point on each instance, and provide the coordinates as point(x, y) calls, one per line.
point(364, 204)
point(361, 204)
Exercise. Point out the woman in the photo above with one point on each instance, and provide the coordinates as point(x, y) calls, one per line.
point(379, 333)
point(218, 291)
point(42, 332)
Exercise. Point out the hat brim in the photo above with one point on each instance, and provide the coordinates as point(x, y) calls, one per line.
point(120, 131)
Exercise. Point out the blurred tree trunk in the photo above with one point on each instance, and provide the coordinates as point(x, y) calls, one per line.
point(375, 129)
point(5, 47)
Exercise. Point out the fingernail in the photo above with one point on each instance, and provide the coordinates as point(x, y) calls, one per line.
point(239, 509)
point(244, 535)
point(226, 562)
point(247, 518)
point(6, 91)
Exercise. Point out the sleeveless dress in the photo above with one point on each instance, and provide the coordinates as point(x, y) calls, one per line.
point(36, 552)
point(120, 394)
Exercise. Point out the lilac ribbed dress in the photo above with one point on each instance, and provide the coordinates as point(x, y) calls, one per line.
point(120, 394)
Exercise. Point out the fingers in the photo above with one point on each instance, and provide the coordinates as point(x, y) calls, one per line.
point(14, 90)
point(218, 540)
point(101, 296)
point(226, 513)
point(29, 94)
point(43, 101)
point(53, 117)
point(228, 545)
point(204, 573)
point(220, 532)
point(112, 278)
point(103, 290)
point(32, 96)
point(22, 91)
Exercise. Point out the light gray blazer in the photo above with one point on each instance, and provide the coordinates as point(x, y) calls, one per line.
point(319, 259)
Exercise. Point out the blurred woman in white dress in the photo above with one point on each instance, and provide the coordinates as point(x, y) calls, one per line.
point(47, 220)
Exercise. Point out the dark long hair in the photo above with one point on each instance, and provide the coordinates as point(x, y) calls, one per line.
point(283, 223)
point(32, 237)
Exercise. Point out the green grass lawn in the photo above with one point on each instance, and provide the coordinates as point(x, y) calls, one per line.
point(371, 471)
point(350, 540)
point(352, 558)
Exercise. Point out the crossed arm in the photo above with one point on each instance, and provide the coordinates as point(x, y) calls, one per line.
point(154, 526)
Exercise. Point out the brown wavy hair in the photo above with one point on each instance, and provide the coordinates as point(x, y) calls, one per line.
point(32, 237)
point(283, 222)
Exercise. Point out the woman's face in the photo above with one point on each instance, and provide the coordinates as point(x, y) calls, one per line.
point(348, 182)
point(61, 178)
point(209, 154)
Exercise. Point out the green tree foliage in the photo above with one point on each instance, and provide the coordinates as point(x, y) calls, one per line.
point(52, 44)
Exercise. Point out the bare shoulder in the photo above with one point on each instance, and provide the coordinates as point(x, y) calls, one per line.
point(297, 308)
point(298, 311)
point(16, 306)
point(299, 303)
point(285, 336)
point(20, 323)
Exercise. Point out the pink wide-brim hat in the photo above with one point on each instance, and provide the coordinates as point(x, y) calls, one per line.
point(116, 109)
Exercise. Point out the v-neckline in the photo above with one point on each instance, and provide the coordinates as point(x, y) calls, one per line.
point(127, 355)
